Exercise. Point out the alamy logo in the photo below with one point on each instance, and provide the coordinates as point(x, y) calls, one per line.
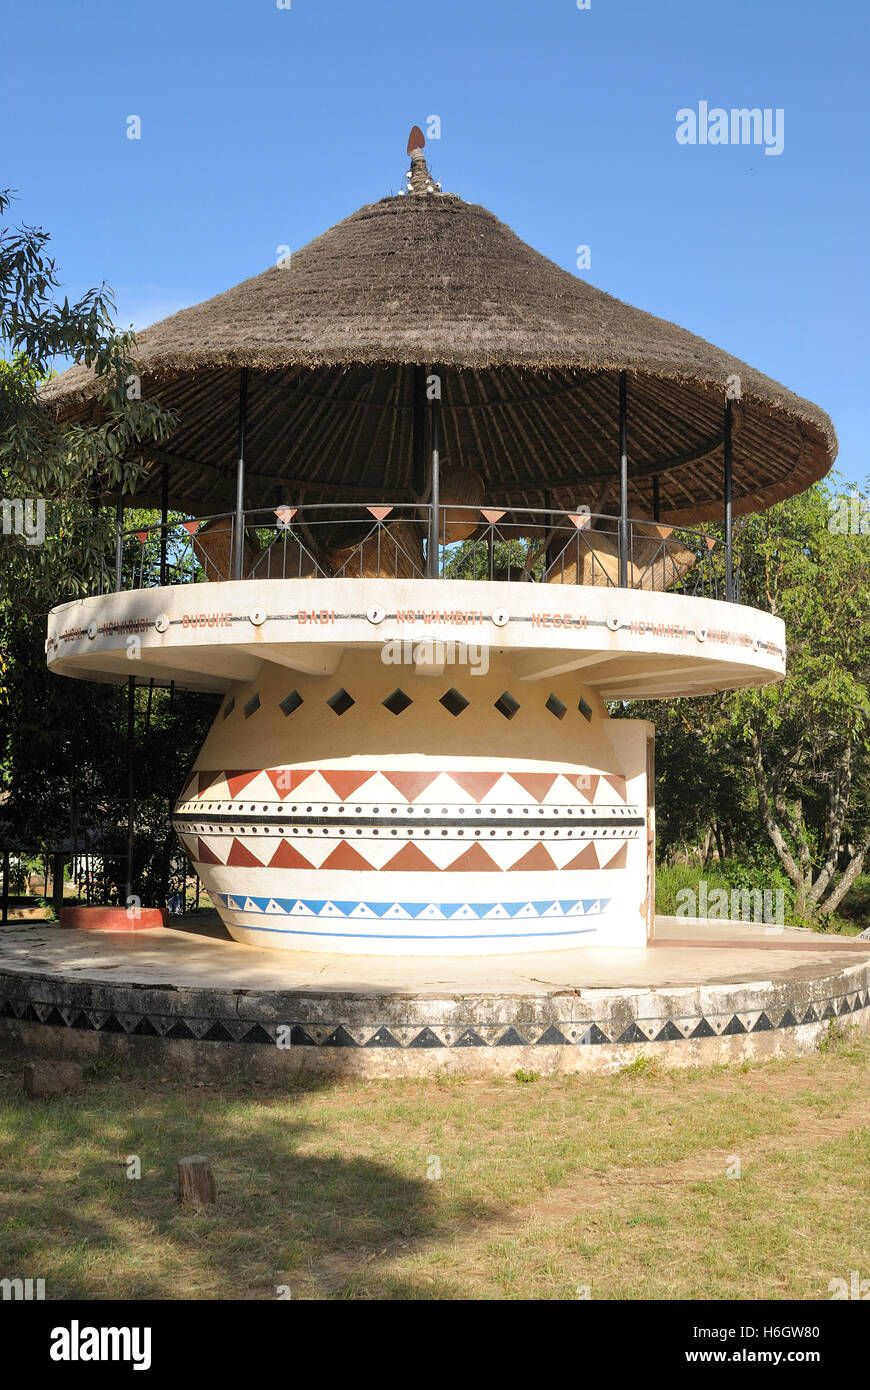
point(400, 651)
point(23, 517)
point(739, 126)
point(850, 516)
point(856, 1287)
point(76, 1343)
point(744, 905)
point(23, 1290)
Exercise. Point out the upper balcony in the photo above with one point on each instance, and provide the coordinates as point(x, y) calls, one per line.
point(636, 608)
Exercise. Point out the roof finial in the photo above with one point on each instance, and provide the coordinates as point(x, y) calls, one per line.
point(419, 180)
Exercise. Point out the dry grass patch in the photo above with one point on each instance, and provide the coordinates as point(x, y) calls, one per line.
point(619, 1183)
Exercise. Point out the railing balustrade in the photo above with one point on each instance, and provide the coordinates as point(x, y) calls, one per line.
point(348, 540)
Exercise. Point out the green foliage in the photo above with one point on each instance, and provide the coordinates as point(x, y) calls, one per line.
point(643, 1066)
point(778, 777)
point(840, 1038)
point(63, 752)
point(38, 454)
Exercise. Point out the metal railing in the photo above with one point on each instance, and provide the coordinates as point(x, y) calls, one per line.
point(346, 539)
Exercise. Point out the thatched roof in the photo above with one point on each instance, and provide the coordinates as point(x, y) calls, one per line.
point(530, 357)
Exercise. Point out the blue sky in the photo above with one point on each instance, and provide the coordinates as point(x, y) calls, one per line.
point(262, 126)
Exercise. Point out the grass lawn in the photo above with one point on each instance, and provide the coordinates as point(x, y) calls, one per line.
point(547, 1186)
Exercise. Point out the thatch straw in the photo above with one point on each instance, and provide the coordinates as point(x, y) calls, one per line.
point(529, 355)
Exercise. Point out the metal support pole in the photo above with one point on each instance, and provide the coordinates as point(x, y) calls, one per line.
point(656, 509)
point(119, 542)
point(418, 430)
point(729, 510)
point(623, 480)
point(4, 916)
point(435, 499)
point(131, 729)
point(164, 521)
point(239, 529)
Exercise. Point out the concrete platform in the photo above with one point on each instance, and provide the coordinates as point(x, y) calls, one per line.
point(186, 997)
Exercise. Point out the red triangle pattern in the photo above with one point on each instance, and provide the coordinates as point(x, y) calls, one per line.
point(589, 792)
point(537, 784)
point(344, 782)
point(619, 860)
point(410, 784)
point(191, 789)
point(474, 860)
point(537, 859)
point(207, 780)
point(285, 780)
point(286, 857)
point(237, 781)
point(477, 784)
point(240, 857)
point(586, 859)
point(206, 856)
point(344, 856)
point(410, 858)
point(617, 783)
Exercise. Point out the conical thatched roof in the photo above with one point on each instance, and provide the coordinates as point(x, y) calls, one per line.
point(529, 356)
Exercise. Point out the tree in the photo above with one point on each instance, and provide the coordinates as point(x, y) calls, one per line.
point(804, 742)
point(62, 742)
point(64, 459)
point(808, 738)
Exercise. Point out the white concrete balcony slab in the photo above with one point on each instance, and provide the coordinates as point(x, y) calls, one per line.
point(623, 643)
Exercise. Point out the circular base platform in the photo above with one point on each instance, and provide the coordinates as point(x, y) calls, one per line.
point(189, 998)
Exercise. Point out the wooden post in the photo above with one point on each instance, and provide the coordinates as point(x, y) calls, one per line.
point(196, 1185)
point(51, 1078)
